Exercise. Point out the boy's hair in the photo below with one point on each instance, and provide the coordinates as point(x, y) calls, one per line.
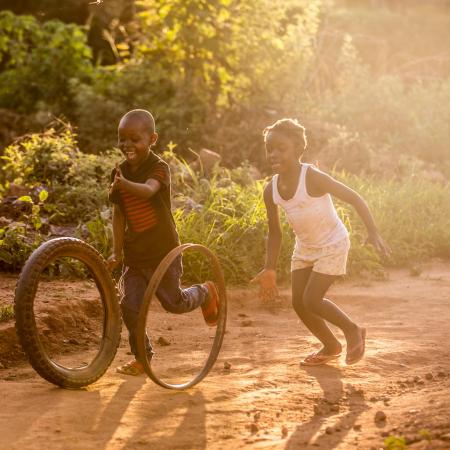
point(142, 115)
point(291, 128)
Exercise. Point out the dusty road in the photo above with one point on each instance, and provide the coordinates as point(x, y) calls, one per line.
point(266, 400)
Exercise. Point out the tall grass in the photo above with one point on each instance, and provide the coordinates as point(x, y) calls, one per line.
point(412, 214)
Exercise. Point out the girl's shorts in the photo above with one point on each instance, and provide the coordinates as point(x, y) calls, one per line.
point(330, 260)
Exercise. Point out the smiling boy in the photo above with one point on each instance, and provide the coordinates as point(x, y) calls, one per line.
point(144, 231)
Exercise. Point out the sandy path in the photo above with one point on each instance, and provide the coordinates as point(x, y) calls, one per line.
point(266, 400)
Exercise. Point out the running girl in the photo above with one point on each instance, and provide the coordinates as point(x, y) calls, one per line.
point(321, 240)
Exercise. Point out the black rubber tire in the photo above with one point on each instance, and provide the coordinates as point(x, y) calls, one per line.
point(221, 322)
point(25, 320)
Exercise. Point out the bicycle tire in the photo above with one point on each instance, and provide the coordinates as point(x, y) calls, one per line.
point(26, 328)
point(221, 321)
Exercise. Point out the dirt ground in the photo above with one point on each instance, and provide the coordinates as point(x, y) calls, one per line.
point(265, 399)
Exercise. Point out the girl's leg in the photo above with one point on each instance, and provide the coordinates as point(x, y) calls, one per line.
point(314, 323)
point(314, 301)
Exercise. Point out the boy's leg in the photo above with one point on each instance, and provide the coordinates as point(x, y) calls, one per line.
point(314, 323)
point(177, 300)
point(313, 298)
point(135, 283)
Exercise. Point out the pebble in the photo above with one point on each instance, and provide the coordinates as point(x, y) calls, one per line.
point(441, 374)
point(428, 376)
point(284, 431)
point(226, 365)
point(246, 323)
point(416, 379)
point(329, 430)
point(254, 428)
point(2, 366)
point(445, 437)
point(162, 341)
point(257, 416)
point(380, 416)
point(357, 427)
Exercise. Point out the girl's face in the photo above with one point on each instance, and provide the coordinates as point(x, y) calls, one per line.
point(281, 152)
point(135, 140)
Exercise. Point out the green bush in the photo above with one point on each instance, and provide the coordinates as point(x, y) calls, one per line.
point(38, 62)
point(77, 182)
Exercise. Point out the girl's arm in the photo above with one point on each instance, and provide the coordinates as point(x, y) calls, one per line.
point(322, 184)
point(141, 190)
point(118, 223)
point(267, 277)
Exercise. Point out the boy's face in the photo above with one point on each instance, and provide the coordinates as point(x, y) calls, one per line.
point(281, 152)
point(135, 140)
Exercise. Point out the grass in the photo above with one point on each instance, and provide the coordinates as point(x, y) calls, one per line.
point(6, 313)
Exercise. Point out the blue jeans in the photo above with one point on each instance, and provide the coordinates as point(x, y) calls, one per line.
point(172, 298)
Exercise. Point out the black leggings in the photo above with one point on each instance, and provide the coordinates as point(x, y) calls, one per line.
point(308, 291)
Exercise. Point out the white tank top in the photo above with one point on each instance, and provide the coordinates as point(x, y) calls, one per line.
point(314, 219)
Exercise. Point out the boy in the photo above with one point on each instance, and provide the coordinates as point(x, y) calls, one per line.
point(144, 232)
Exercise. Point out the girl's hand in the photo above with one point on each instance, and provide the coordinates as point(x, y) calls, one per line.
point(267, 280)
point(378, 243)
point(113, 261)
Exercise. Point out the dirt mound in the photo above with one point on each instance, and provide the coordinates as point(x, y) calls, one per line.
point(63, 327)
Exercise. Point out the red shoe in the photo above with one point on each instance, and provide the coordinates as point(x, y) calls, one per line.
point(210, 308)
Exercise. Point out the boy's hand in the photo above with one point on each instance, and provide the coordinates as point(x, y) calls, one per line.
point(118, 177)
point(267, 280)
point(113, 261)
point(378, 243)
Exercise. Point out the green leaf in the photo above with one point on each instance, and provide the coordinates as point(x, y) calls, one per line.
point(43, 195)
point(25, 198)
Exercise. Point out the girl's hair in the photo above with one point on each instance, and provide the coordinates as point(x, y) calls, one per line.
point(291, 128)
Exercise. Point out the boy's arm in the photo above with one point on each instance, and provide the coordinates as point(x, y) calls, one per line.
point(324, 184)
point(141, 190)
point(118, 223)
point(267, 277)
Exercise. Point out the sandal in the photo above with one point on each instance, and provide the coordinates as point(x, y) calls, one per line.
point(317, 359)
point(210, 309)
point(133, 368)
point(357, 350)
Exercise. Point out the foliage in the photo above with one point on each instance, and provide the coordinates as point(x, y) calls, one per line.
point(72, 178)
point(6, 313)
point(37, 62)
point(395, 443)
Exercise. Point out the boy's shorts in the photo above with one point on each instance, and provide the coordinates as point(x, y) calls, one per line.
point(330, 260)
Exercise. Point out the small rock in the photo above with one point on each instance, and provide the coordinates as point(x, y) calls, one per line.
point(380, 416)
point(284, 431)
point(329, 430)
point(357, 427)
point(278, 414)
point(416, 379)
point(246, 323)
point(334, 408)
point(445, 437)
point(226, 365)
point(428, 376)
point(257, 416)
point(1, 366)
point(169, 328)
point(162, 341)
point(337, 428)
point(74, 341)
point(254, 428)
point(385, 433)
point(373, 399)
point(441, 374)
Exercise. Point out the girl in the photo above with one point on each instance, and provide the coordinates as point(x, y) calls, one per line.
point(321, 240)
